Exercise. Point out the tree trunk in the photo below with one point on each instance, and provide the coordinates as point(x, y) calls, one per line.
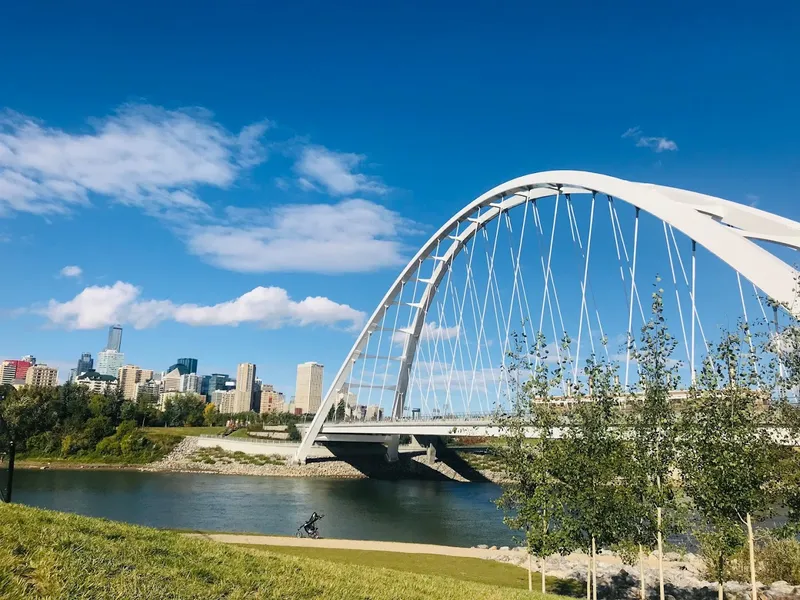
point(642, 592)
point(720, 583)
point(594, 570)
point(589, 578)
point(660, 557)
point(753, 592)
point(530, 574)
point(544, 590)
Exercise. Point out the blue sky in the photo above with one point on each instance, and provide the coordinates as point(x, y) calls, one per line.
point(193, 152)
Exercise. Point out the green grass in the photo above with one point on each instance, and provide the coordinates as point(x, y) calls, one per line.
point(477, 570)
point(45, 554)
point(181, 431)
point(240, 433)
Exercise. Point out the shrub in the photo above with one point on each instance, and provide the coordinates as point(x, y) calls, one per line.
point(776, 560)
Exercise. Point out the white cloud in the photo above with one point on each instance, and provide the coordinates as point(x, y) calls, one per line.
point(98, 306)
point(335, 171)
point(349, 236)
point(142, 155)
point(71, 271)
point(752, 199)
point(656, 144)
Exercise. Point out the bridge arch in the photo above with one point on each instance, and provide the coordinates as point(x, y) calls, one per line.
point(724, 228)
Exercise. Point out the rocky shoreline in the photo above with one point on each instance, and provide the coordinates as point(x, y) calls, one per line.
point(683, 576)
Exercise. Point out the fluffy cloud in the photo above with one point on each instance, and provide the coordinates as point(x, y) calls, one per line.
point(656, 144)
point(71, 271)
point(98, 306)
point(142, 155)
point(349, 236)
point(335, 171)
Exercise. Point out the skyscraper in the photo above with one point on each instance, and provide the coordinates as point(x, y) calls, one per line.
point(245, 381)
point(189, 363)
point(85, 363)
point(308, 390)
point(109, 362)
point(114, 338)
point(216, 381)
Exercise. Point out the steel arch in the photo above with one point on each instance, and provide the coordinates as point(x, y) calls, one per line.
point(723, 227)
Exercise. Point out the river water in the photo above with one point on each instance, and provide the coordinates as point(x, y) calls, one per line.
point(437, 512)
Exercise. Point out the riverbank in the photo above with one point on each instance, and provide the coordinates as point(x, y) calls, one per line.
point(211, 456)
point(46, 554)
point(567, 574)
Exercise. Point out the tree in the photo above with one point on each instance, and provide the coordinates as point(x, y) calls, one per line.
point(531, 493)
point(728, 460)
point(184, 410)
point(651, 425)
point(209, 414)
point(598, 505)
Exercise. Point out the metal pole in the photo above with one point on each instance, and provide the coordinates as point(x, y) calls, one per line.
point(10, 482)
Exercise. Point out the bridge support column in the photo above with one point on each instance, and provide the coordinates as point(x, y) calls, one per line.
point(431, 454)
point(393, 449)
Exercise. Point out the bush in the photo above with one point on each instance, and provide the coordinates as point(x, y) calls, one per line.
point(776, 560)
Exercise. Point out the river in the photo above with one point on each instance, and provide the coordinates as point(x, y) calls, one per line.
point(436, 512)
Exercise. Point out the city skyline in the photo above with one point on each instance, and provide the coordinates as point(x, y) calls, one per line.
point(261, 221)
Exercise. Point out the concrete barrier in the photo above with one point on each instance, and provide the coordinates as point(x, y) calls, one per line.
point(258, 446)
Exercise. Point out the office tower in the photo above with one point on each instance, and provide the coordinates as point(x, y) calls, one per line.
point(171, 380)
point(114, 338)
point(85, 363)
point(12, 370)
point(189, 363)
point(214, 382)
point(308, 390)
point(245, 382)
point(190, 383)
point(41, 376)
point(130, 375)
point(109, 362)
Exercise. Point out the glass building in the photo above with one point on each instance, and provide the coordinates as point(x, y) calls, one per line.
point(189, 363)
point(85, 363)
point(114, 338)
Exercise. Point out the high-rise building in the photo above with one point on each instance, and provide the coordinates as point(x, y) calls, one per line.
point(224, 400)
point(308, 390)
point(130, 375)
point(85, 363)
point(271, 401)
point(189, 363)
point(114, 338)
point(245, 382)
point(8, 371)
point(109, 362)
point(171, 381)
point(190, 383)
point(41, 376)
point(15, 369)
point(216, 381)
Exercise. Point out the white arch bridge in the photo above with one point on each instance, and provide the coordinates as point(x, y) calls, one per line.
point(547, 254)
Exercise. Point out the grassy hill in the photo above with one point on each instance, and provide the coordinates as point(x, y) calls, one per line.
point(45, 554)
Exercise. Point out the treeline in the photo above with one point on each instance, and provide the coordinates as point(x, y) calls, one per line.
point(69, 421)
point(621, 469)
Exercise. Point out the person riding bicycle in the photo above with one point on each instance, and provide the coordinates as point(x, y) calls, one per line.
point(310, 527)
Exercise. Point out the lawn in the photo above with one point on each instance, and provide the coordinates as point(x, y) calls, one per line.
point(182, 431)
point(45, 554)
point(476, 570)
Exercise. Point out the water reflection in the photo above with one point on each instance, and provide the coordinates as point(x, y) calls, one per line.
point(409, 511)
